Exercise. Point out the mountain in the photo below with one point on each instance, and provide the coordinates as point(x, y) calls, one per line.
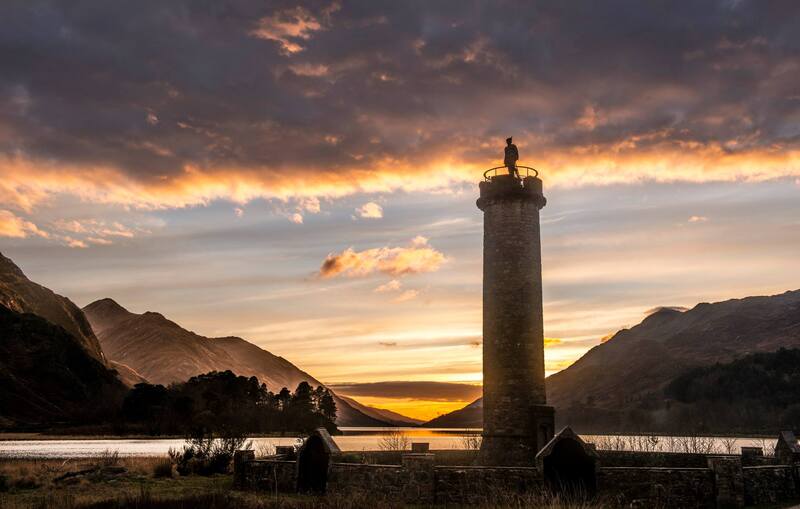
point(619, 384)
point(20, 294)
point(755, 392)
point(471, 416)
point(52, 368)
point(382, 414)
point(163, 352)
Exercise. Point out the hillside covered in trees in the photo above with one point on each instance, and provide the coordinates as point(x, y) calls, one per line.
point(226, 404)
point(758, 391)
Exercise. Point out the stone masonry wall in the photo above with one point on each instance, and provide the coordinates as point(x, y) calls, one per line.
point(651, 459)
point(657, 487)
point(771, 484)
point(473, 485)
point(268, 475)
point(723, 483)
point(349, 478)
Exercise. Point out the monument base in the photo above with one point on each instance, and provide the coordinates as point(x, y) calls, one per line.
point(518, 447)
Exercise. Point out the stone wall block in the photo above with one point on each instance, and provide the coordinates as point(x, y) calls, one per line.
point(728, 481)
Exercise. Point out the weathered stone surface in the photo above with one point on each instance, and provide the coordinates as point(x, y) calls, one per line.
point(516, 420)
point(476, 485)
point(418, 481)
point(266, 475)
point(240, 459)
point(420, 486)
point(652, 459)
point(728, 481)
point(350, 478)
point(420, 447)
point(686, 488)
point(771, 484)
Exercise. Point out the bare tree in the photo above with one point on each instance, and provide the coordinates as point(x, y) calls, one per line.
point(471, 442)
point(394, 440)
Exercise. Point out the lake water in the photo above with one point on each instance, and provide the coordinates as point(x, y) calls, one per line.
point(362, 439)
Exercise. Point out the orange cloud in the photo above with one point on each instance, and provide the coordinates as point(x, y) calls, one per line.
point(370, 210)
point(27, 183)
point(548, 342)
point(392, 286)
point(395, 261)
point(288, 28)
point(12, 225)
point(76, 243)
point(406, 296)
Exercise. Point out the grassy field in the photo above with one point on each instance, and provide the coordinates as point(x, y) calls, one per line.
point(111, 482)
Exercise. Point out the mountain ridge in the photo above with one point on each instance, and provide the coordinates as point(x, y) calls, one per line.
point(52, 369)
point(20, 294)
point(163, 352)
point(627, 374)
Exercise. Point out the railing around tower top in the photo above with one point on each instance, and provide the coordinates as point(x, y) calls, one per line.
point(524, 171)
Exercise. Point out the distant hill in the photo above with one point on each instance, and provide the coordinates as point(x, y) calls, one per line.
point(471, 416)
point(382, 414)
point(20, 294)
point(619, 385)
point(163, 352)
point(52, 369)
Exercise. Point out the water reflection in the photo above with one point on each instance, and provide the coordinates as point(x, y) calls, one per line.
point(366, 439)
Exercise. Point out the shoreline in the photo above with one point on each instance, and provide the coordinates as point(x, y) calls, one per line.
point(6, 436)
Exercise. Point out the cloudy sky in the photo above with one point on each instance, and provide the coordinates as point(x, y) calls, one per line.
point(305, 176)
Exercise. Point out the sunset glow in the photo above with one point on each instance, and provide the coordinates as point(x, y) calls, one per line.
point(306, 177)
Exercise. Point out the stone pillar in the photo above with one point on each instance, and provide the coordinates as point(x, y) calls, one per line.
point(240, 460)
point(420, 447)
point(420, 488)
point(516, 420)
point(728, 481)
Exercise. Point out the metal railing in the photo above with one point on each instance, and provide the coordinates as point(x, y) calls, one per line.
point(524, 171)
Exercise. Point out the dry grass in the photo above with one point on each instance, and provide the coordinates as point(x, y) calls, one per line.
point(471, 442)
point(29, 482)
point(215, 497)
point(35, 484)
point(690, 444)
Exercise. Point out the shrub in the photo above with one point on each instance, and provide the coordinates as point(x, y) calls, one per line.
point(205, 455)
point(107, 459)
point(162, 468)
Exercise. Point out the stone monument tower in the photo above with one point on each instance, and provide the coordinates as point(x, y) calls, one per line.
point(517, 423)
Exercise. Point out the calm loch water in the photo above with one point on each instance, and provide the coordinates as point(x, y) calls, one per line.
point(361, 439)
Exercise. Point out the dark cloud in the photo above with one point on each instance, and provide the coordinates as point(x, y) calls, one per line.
point(430, 391)
point(151, 87)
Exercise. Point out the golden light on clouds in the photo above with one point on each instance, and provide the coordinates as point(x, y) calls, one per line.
point(13, 226)
point(25, 183)
point(370, 210)
point(417, 257)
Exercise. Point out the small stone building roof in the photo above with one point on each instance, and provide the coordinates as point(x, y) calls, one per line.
point(564, 434)
point(788, 441)
point(327, 440)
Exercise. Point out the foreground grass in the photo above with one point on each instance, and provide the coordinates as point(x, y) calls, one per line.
point(50, 483)
point(111, 482)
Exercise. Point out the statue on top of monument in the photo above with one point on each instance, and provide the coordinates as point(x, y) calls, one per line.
point(511, 157)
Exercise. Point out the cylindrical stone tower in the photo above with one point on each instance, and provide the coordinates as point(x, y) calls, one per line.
point(516, 421)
